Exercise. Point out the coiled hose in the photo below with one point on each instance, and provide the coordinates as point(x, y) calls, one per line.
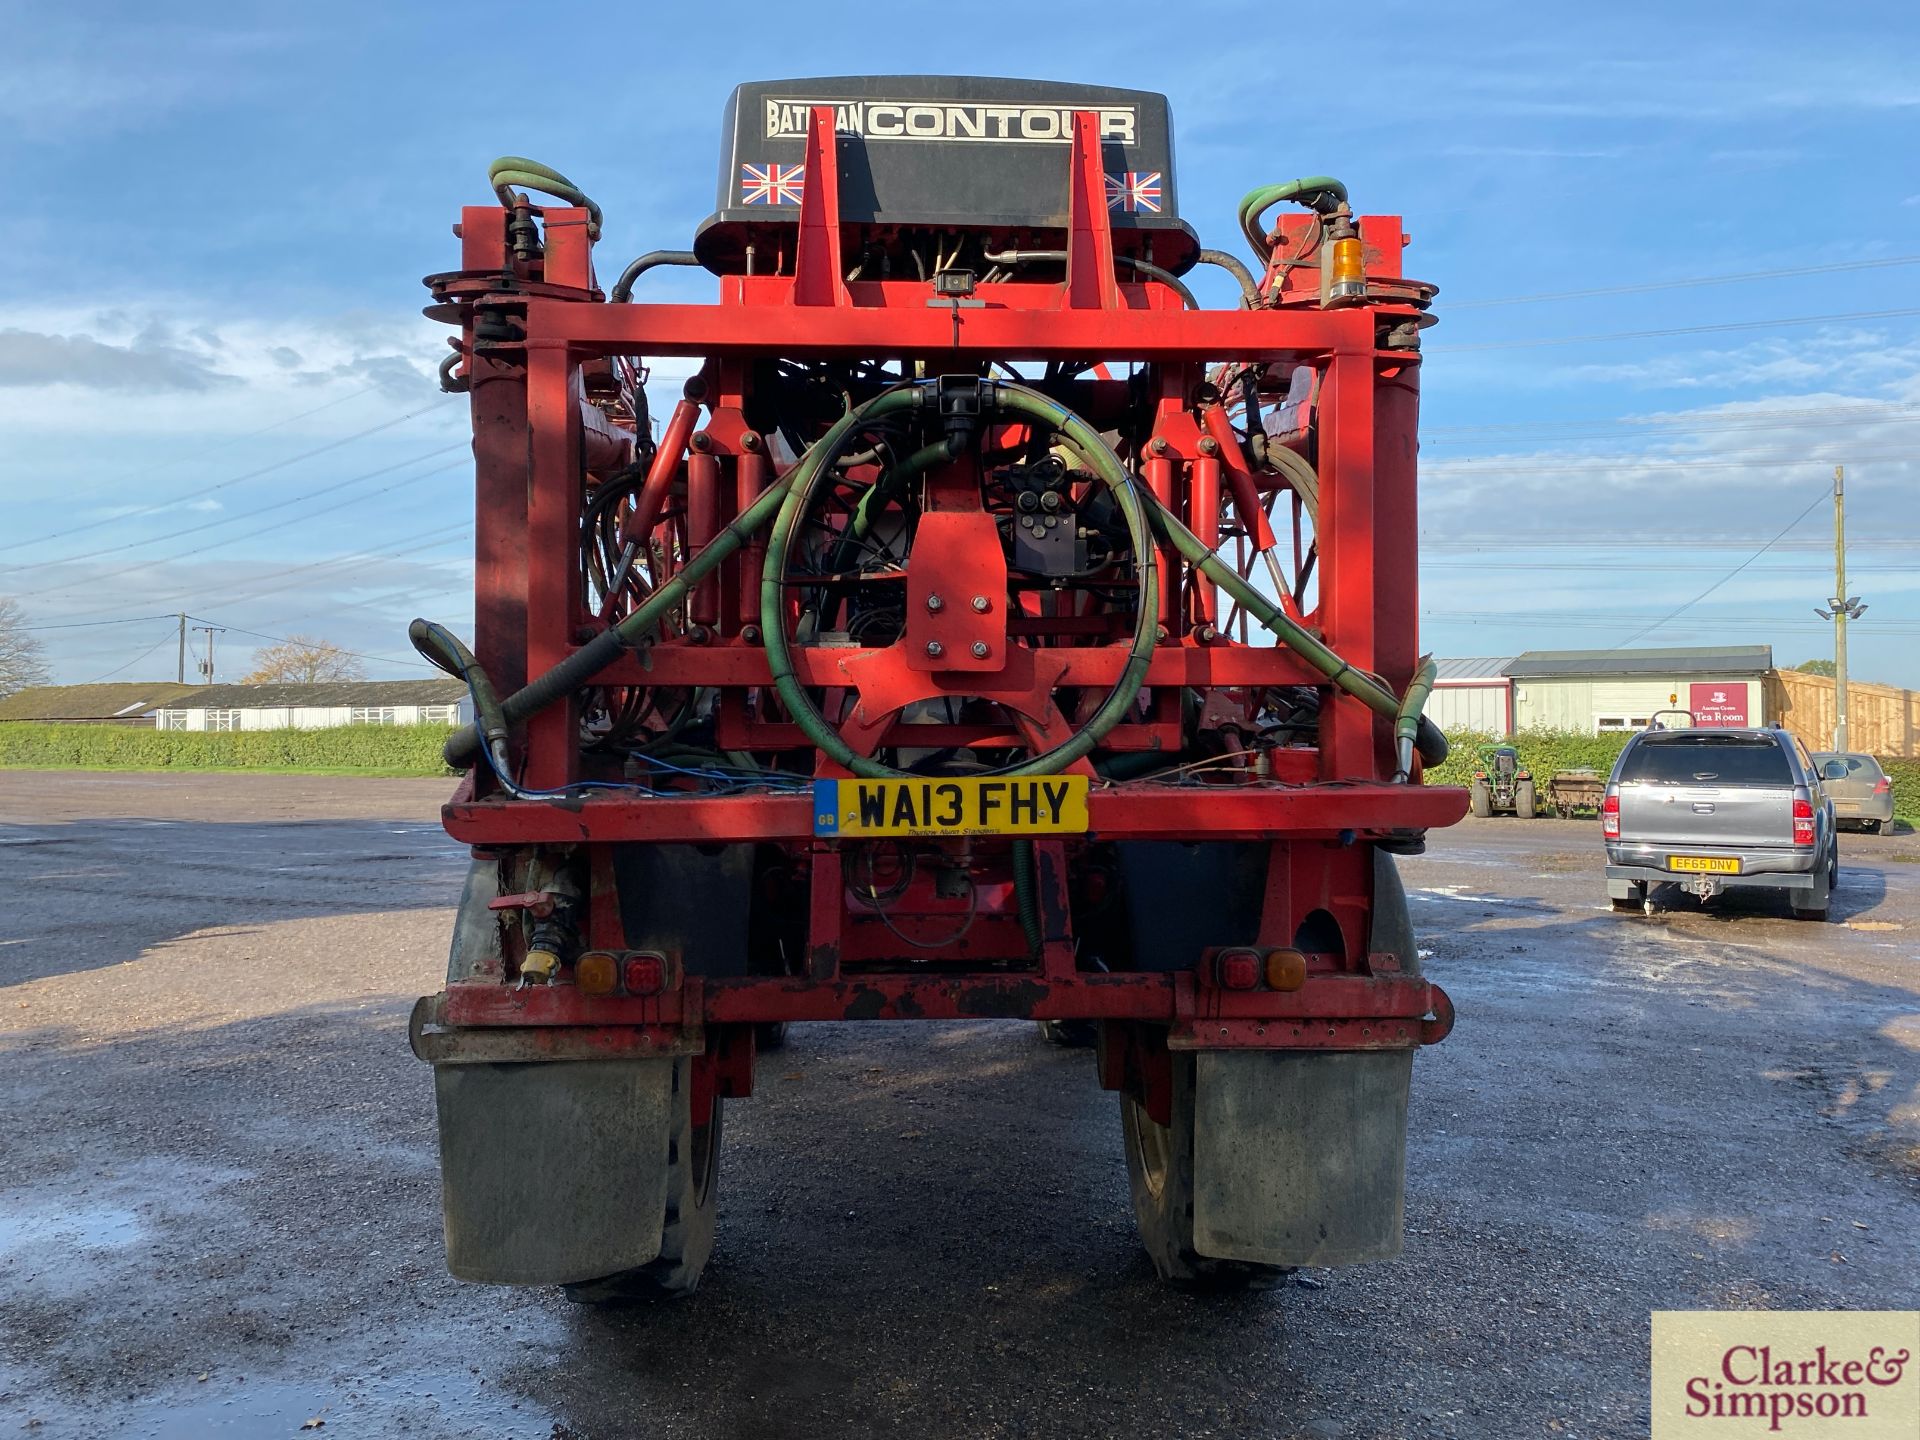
point(1018, 400)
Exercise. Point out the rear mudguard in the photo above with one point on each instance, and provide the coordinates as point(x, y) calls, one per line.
point(1300, 1157)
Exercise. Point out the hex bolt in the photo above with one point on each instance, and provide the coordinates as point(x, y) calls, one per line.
point(982, 604)
point(935, 604)
point(981, 649)
point(936, 649)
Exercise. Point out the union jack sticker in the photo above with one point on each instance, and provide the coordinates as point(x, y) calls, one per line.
point(1134, 190)
point(773, 184)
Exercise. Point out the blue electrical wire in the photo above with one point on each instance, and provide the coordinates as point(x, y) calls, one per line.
point(739, 780)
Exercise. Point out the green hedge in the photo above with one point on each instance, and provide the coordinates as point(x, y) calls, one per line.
point(1541, 751)
point(1545, 751)
point(1905, 775)
point(368, 749)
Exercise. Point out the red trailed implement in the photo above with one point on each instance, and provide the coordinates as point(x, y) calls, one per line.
point(988, 631)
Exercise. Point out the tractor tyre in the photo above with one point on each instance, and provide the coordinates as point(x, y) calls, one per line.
point(1481, 799)
point(1524, 804)
point(686, 1235)
point(1160, 1169)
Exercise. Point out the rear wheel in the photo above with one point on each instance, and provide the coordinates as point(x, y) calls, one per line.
point(1877, 827)
point(1481, 799)
point(1160, 1167)
point(1523, 800)
point(686, 1235)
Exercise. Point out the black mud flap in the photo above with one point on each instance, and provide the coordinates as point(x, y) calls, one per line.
point(555, 1172)
point(1300, 1158)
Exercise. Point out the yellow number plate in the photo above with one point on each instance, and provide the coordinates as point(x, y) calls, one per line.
point(974, 805)
point(1712, 864)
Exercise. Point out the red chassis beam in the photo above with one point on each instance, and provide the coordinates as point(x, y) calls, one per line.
point(750, 325)
point(1137, 811)
point(1331, 1012)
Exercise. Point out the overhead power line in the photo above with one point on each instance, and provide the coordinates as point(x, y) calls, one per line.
point(250, 514)
point(221, 484)
point(1649, 629)
point(166, 639)
point(1601, 464)
point(286, 640)
point(1649, 286)
point(1728, 325)
point(85, 624)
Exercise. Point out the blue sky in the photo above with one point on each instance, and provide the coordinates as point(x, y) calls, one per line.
point(216, 387)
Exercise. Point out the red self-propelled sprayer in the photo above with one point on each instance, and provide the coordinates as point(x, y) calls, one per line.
point(987, 631)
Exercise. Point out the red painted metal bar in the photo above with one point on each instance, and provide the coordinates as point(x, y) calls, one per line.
point(893, 318)
point(684, 664)
point(816, 261)
point(1136, 811)
point(1353, 739)
point(554, 496)
point(1091, 284)
point(1136, 995)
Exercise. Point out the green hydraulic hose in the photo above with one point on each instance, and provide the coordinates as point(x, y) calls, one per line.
point(1363, 687)
point(1026, 895)
point(1406, 723)
point(1019, 400)
point(511, 170)
point(601, 651)
point(1320, 193)
point(891, 483)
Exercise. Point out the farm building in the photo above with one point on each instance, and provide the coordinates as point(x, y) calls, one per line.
point(112, 704)
point(317, 706)
point(1595, 691)
point(1473, 694)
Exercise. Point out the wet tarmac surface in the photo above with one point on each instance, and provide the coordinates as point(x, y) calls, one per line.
point(219, 1211)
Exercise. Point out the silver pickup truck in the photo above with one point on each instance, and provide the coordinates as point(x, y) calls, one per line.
point(1710, 810)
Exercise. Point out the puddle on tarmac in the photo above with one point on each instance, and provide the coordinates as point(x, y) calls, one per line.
point(70, 1227)
point(413, 1403)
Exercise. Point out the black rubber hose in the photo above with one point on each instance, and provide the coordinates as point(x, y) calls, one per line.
point(1249, 290)
point(623, 287)
point(1059, 257)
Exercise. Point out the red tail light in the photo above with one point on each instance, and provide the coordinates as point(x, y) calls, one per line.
point(1803, 822)
point(1885, 787)
point(1610, 817)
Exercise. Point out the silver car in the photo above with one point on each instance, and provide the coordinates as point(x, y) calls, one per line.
point(1712, 810)
point(1861, 792)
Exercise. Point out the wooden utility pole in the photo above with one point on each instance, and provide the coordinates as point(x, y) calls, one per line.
point(1845, 607)
point(206, 665)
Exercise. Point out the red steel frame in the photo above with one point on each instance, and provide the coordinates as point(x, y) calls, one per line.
point(525, 344)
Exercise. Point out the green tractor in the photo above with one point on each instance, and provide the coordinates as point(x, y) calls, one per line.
point(1500, 784)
